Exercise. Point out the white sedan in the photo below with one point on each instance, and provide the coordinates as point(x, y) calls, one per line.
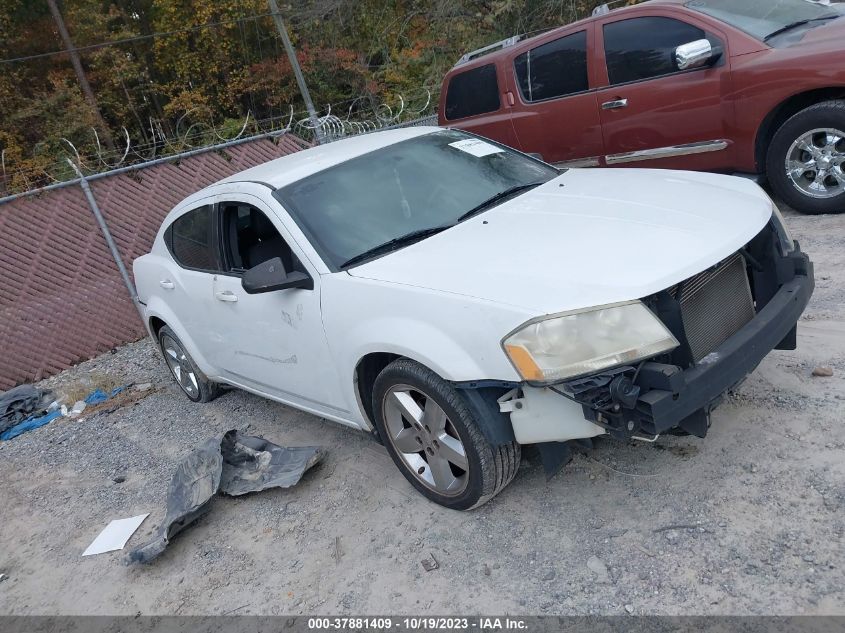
point(460, 300)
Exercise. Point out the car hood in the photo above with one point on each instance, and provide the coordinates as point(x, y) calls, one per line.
point(830, 35)
point(589, 237)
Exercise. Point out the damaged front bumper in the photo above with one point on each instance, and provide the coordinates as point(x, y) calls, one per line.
point(657, 396)
point(670, 397)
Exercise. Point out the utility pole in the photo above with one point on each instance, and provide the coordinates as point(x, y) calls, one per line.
point(297, 71)
point(80, 73)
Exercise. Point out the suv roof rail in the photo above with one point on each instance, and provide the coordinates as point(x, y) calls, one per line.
point(606, 7)
point(510, 41)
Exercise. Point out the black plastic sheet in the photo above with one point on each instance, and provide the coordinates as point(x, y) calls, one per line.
point(17, 404)
point(232, 464)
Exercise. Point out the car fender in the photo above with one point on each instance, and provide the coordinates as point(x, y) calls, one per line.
point(445, 355)
point(441, 353)
point(457, 337)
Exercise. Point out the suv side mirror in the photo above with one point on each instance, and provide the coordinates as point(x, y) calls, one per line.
point(270, 276)
point(695, 55)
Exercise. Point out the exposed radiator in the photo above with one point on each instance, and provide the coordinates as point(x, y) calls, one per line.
point(715, 305)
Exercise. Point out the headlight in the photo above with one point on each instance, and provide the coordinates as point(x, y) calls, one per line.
point(586, 342)
point(787, 244)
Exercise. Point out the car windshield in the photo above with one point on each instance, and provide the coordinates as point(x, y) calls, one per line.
point(405, 192)
point(764, 18)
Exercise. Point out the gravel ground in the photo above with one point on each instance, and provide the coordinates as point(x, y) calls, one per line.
point(748, 521)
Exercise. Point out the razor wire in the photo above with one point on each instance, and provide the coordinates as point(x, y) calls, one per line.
point(360, 115)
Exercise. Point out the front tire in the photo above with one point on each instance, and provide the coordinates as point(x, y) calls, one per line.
point(184, 370)
point(435, 440)
point(806, 159)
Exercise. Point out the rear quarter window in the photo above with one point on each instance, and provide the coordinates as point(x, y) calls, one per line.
point(472, 92)
point(191, 240)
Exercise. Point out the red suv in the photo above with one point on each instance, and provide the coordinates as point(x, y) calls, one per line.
point(751, 87)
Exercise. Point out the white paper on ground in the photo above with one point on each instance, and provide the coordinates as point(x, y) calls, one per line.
point(476, 147)
point(115, 536)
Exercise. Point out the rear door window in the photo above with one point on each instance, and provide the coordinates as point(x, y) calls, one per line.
point(643, 48)
point(556, 69)
point(473, 92)
point(191, 240)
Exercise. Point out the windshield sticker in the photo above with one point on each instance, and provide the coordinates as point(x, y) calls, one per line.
point(476, 147)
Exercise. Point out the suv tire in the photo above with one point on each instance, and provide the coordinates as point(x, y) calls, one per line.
point(436, 441)
point(184, 370)
point(809, 140)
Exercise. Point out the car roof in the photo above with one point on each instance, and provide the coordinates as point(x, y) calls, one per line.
point(293, 167)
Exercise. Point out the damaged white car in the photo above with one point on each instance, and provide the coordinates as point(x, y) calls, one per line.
point(460, 300)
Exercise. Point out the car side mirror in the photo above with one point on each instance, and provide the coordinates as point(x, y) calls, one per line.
point(270, 276)
point(695, 55)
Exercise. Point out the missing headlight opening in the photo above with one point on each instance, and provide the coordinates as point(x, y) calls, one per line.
point(674, 389)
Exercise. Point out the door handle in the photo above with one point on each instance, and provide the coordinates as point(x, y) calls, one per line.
point(167, 284)
point(227, 296)
point(614, 105)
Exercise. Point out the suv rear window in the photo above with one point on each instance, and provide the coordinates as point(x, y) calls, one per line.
point(473, 92)
point(556, 69)
point(642, 48)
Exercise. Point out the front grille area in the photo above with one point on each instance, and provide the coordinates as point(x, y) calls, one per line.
point(715, 305)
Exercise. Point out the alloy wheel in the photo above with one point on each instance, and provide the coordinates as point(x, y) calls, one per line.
point(180, 366)
point(815, 163)
point(426, 440)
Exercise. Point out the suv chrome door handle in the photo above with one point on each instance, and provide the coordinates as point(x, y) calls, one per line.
point(614, 105)
point(227, 296)
point(167, 284)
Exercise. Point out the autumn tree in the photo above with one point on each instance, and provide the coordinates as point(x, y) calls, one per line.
point(176, 73)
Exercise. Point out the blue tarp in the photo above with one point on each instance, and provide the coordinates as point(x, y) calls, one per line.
point(34, 422)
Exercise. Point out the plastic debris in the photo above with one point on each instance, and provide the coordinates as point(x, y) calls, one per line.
point(29, 424)
point(75, 411)
point(21, 403)
point(36, 421)
point(98, 395)
point(430, 564)
point(115, 535)
point(231, 464)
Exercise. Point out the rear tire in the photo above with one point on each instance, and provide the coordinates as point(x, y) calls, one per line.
point(184, 370)
point(436, 441)
point(806, 159)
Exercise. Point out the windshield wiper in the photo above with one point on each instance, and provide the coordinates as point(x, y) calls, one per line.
point(498, 198)
point(395, 243)
point(416, 236)
point(795, 25)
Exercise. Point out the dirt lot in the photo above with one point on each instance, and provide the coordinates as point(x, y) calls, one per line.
point(749, 521)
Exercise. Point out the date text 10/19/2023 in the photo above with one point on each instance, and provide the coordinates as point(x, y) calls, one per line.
point(418, 623)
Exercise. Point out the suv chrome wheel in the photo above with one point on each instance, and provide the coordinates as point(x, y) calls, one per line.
point(180, 366)
point(815, 163)
point(426, 440)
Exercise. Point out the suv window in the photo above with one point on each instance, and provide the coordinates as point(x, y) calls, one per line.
point(556, 69)
point(474, 92)
point(250, 239)
point(642, 48)
point(191, 240)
